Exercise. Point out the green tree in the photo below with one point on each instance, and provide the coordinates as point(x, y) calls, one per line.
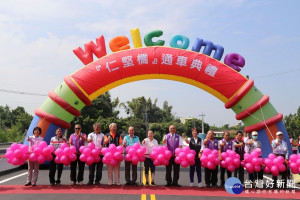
point(195, 123)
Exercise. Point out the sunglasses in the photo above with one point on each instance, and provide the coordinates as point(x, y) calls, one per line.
point(77, 128)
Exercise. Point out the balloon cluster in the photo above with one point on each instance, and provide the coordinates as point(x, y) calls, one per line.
point(160, 155)
point(65, 154)
point(16, 154)
point(135, 153)
point(41, 152)
point(209, 158)
point(252, 162)
point(230, 160)
point(185, 156)
point(90, 154)
point(274, 164)
point(112, 154)
point(294, 163)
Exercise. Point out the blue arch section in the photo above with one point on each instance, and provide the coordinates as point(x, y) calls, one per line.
point(266, 146)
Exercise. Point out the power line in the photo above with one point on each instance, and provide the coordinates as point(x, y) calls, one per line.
point(23, 93)
point(276, 74)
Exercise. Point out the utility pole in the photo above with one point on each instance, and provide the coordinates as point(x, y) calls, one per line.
point(146, 119)
point(202, 115)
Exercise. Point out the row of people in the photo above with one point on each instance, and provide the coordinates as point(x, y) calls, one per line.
point(172, 140)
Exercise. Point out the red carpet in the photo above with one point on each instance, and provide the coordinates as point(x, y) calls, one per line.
point(157, 190)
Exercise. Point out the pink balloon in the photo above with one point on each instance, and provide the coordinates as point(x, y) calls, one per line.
point(249, 167)
point(293, 166)
point(184, 163)
point(178, 151)
point(203, 165)
point(255, 161)
point(211, 157)
point(168, 154)
point(281, 159)
point(46, 151)
point(165, 163)
point(120, 149)
point(32, 157)
point(73, 157)
point(237, 156)
point(14, 146)
point(217, 161)
point(203, 158)
point(82, 157)
point(95, 152)
point(143, 158)
point(231, 168)
point(24, 148)
point(51, 148)
point(40, 159)
point(224, 155)
point(140, 152)
point(43, 144)
point(9, 155)
point(134, 162)
point(91, 145)
point(67, 151)
point(104, 160)
point(132, 151)
point(293, 157)
point(298, 162)
point(274, 170)
point(156, 162)
point(117, 155)
point(182, 156)
point(37, 150)
point(153, 155)
point(97, 159)
point(224, 164)
point(210, 165)
point(109, 156)
point(232, 154)
point(127, 157)
point(271, 156)
point(82, 148)
point(268, 162)
point(236, 162)
point(228, 160)
point(257, 168)
point(136, 146)
point(267, 169)
point(59, 152)
point(161, 157)
point(64, 145)
point(254, 154)
point(104, 150)
point(49, 157)
point(186, 149)
point(282, 167)
point(215, 153)
point(190, 157)
point(89, 160)
point(177, 160)
point(135, 159)
point(112, 147)
point(57, 160)
point(15, 161)
point(87, 151)
point(18, 153)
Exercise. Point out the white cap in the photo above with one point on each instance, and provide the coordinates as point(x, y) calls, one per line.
point(254, 133)
point(279, 133)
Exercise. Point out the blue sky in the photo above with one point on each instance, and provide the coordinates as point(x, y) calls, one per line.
point(37, 38)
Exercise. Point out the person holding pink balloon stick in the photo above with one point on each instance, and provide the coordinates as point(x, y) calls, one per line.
point(33, 166)
point(173, 141)
point(239, 149)
point(130, 140)
point(225, 144)
point(113, 138)
point(211, 175)
point(252, 144)
point(98, 139)
point(77, 139)
point(56, 142)
point(149, 143)
point(195, 143)
point(280, 148)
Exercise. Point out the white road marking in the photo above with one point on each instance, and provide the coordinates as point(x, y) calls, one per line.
point(8, 179)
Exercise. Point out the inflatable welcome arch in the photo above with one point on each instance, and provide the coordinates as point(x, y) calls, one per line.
point(155, 61)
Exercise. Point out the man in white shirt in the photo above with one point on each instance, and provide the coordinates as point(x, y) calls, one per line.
point(98, 139)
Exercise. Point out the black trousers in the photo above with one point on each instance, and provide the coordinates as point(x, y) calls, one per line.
point(239, 171)
point(256, 175)
point(98, 166)
point(80, 170)
point(211, 176)
point(169, 171)
point(229, 174)
point(127, 172)
point(52, 171)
